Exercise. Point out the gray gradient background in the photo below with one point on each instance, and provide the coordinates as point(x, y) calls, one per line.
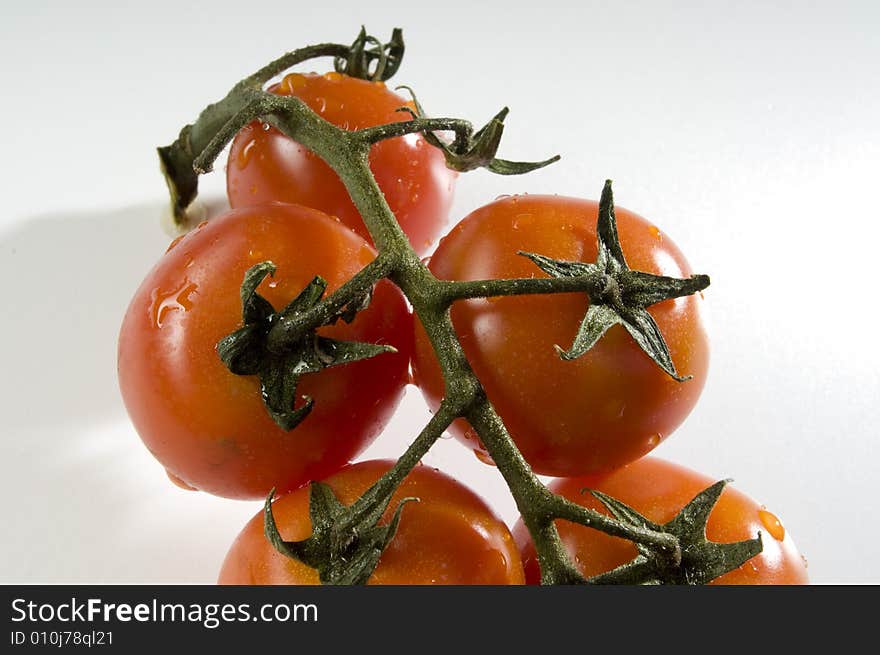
point(718, 122)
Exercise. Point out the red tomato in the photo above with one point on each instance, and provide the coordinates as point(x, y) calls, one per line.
point(450, 537)
point(597, 412)
point(658, 490)
point(209, 427)
point(265, 165)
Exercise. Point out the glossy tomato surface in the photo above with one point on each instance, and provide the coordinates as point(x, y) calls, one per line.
point(595, 413)
point(449, 537)
point(208, 427)
point(264, 165)
point(658, 490)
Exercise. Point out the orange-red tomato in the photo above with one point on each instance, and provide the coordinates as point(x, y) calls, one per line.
point(209, 427)
point(265, 165)
point(608, 407)
point(658, 490)
point(450, 537)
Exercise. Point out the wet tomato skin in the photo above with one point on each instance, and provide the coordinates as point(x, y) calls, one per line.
point(208, 427)
point(600, 411)
point(658, 489)
point(449, 537)
point(265, 165)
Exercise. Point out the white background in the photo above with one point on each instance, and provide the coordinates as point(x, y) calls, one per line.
point(748, 131)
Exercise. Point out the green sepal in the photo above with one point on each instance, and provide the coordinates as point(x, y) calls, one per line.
point(619, 295)
point(477, 151)
point(346, 545)
point(645, 289)
point(255, 308)
point(623, 512)
point(370, 59)
point(279, 377)
point(246, 351)
point(701, 560)
point(242, 351)
point(306, 298)
point(644, 330)
point(596, 322)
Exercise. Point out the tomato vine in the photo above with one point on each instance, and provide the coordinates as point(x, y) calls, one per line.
point(673, 552)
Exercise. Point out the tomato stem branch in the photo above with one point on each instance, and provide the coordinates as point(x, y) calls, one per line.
point(388, 483)
point(291, 59)
point(462, 128)
point(592, 283)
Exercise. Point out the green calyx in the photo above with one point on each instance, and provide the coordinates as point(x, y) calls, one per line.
point(472, 150)
point(618, 294)
point(701, 560)
point(281, 364)
point(370, 59)
point(346, 542)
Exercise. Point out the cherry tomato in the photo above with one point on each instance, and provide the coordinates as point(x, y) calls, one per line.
point(265, 165)
point(658, 490)
point(449, 537)
point(608, 407)
point(209, 427)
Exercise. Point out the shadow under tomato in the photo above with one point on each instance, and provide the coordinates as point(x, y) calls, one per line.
point(83, 499)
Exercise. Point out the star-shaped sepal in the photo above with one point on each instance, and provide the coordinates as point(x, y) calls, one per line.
point(370, 59)
point(700, 561)
point(477, 150)
point(618, 294)
point(247, 351)
point(346, 542)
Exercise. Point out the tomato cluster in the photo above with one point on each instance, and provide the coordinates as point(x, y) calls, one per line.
point(590, 420)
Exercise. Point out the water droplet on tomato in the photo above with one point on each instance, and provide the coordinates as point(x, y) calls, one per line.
point(774, 527)
point(174, 243)
point(321, 105)
point(379, 83)
point(502, 196)
point(273, 284)
point(806, 563)
point(654, 440)
point(178, 482)
point(333, 76)
point(655, 232)
point(266, 127)
point(484, 457)
point(244, 155)
point(176, 300)
point(292, 83)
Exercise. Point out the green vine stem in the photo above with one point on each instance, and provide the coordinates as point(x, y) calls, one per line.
point(347, 154)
